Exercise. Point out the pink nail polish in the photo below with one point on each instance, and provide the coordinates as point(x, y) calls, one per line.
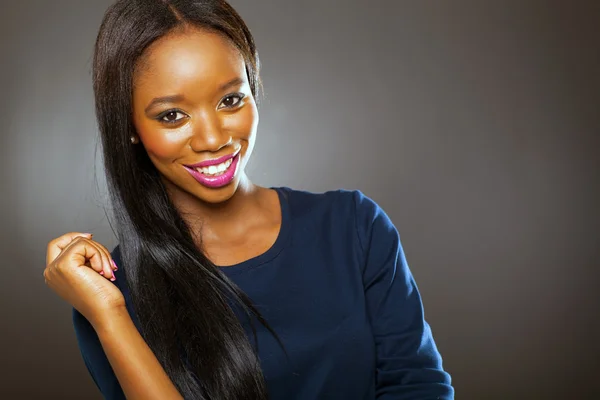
point(114, 265)
point(114, 278)
point(101, 272)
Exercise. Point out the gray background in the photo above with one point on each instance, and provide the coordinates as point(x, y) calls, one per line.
point(474, 124)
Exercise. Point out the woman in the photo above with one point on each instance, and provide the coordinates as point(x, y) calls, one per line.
point(219, 288)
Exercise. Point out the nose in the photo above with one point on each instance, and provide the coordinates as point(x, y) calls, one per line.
point(208, 133)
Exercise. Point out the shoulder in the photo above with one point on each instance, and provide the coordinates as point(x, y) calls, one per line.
point(346, 201)
point(340, 210)
point(346, 198)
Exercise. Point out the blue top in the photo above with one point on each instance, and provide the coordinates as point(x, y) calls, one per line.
point(337, 290)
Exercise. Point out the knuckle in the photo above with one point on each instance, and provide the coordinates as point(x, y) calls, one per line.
point(79, 240)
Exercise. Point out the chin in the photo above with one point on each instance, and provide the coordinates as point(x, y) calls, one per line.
point(219, 195)
point(213, 196)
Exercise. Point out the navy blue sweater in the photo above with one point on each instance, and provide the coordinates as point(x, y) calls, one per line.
point(337, 290)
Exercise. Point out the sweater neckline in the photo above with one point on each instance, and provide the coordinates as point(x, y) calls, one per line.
point(276, 248)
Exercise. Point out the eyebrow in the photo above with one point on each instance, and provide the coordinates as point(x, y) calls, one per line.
point(163, 100)
point(178, 97)
point(234, 82)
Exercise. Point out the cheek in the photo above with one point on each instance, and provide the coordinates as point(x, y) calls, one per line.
point(164, 145)
point(243, 123)
point(161, 144)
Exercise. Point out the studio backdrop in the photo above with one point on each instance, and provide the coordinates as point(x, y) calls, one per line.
point(474, 124)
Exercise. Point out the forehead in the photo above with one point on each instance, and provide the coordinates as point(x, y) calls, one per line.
point(178, 59)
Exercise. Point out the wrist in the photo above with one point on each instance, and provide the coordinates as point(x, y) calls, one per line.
point(109, 321)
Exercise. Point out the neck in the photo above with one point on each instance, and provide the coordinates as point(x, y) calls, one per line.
point(223, 220)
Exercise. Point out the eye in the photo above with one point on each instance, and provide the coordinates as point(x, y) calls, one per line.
point(171, 116)
point(231, 100)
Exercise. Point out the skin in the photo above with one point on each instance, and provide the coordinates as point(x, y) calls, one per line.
point(209, 119)
point(73, 265)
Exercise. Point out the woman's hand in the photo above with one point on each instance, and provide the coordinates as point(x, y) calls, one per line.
point(78, 269)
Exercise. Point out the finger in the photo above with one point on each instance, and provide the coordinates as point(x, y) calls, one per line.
point(56, 246)
point(104, 266)
point(108, 254)
point(107, 263)
point(82, 251)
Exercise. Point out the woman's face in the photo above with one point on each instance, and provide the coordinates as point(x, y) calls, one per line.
point(195, 114)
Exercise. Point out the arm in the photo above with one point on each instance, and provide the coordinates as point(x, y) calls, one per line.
point(119, 360)
point(140, 374)
point(409, 366)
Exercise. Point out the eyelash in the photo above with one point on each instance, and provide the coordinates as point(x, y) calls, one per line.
point(161, 117)
point(239, 96)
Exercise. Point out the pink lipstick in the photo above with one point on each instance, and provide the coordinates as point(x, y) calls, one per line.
point(215, 161)
point(215, 178)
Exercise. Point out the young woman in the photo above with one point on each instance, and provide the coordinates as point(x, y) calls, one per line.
point(219, 288)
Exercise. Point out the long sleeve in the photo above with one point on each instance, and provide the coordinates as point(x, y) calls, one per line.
point(409, 366)
point(95, 360)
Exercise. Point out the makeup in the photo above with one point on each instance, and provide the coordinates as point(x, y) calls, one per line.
point(215, 173)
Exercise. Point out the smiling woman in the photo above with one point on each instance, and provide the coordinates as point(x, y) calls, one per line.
point(192, 97)
point(220, 288)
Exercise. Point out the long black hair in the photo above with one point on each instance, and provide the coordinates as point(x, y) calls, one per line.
point(189, 312)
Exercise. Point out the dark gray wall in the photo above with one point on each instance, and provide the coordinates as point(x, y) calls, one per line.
point(473, 123)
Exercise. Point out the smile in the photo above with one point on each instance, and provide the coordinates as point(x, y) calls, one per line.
point(215, 170)
point(215, 173)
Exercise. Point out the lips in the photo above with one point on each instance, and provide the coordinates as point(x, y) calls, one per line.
point(214, 161)
point(222, 178)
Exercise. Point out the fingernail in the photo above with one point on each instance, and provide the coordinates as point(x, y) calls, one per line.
point(114, 278)
point(114, 265)
point(101, 272)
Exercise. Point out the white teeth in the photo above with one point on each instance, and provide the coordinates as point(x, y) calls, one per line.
point(216, 169)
